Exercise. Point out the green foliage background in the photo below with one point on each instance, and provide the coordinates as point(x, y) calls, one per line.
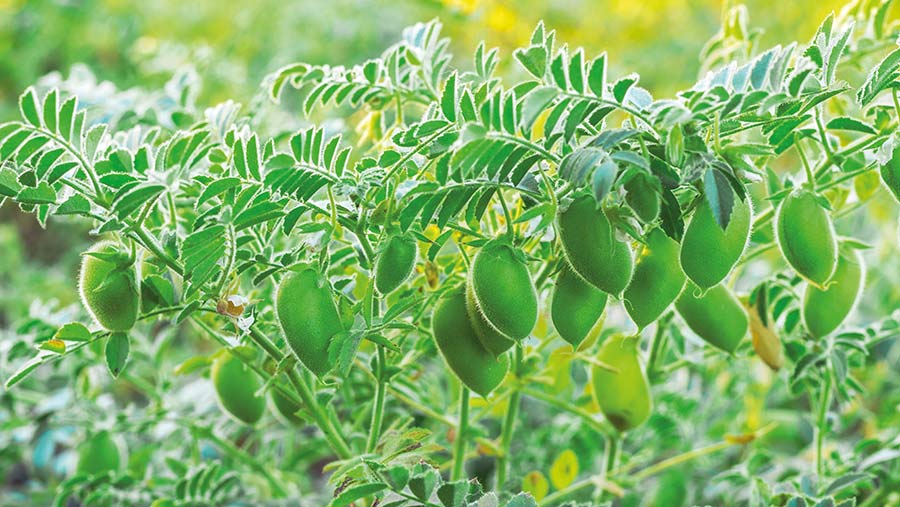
point(228, 50)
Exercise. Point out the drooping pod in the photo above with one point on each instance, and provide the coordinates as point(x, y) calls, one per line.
point(108, 286)
point(805, 234)
point(395, 263)
point(576, 306)
point(716, 316)
point(285, 409)
point(657, 280)
point(503, 290)
point(493, 340)
point(100, 453)
point(642, 197)
point(709, 253)
point(589, 242)
point(623, 395)
point(766, 343)
point(236, 388)
point(470, 361)
point(824, 310)
point(308, 315)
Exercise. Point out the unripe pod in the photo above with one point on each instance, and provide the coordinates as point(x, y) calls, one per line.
point(806, 237)
point(716, 316)
point(824, 310)
point(591, 248)
point(102, 452)
point(657, 280)
point(642, 197)
point(285, 408)
point(458, 343)
point(576, 307)
point(624, 395)
point(709, 253)
point(395, 263)
point(503, 290)
point(766, 343)
point(236, 387)
point(308, 316)
point(890, 173)
point(493, 340)
point(109, 287)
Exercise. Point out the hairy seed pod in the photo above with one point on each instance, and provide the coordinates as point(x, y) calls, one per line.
point(589, 242)
point(623, 395)
point(108, 287)
point(824, 310)
point(102, 452)
point(308, 316)
point(766, 343)
point(493, 340)
point(395, 263)
point(576, 307)
point(806, 237)
point(285, 409)
point(657, 280)
point(709, 253)
point(463, 352)
point(236, 386)
point(503, 290)
point(642, 197)
point(715, 316)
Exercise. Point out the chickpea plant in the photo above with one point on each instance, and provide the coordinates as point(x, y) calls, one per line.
point(564, 240)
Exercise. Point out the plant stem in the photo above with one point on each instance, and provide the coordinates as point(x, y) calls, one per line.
point(509, 424)
point(335, 439)
point(821, 416)
point(378, 408)
point(459, 451)
point(610, 462)
point(657, 346)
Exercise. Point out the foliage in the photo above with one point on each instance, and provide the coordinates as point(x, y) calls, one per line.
point(217, 205)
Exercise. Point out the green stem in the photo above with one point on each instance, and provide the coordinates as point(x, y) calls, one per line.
point(600, 426)
point(509, 424)
point(821, 421)
point(610, 462)
point(459, 451)
point(335, 439)
point(378, 408)
point(657, 346)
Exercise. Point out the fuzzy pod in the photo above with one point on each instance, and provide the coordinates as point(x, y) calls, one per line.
point(109, 288)
point(458, 343)
point(805, 234)
point(642, 196)
point(236, 386)
point(824, 310)
point(503, 290)
point(657, 279)
point(622, 395)
point(766, 343)
point(716, 316)
point(708, 252)
point(285, 409)
point(308, 315)
point(589, 242)
point(493, 340)
point(576, 308)
point(100, 453)
point(395, 263)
